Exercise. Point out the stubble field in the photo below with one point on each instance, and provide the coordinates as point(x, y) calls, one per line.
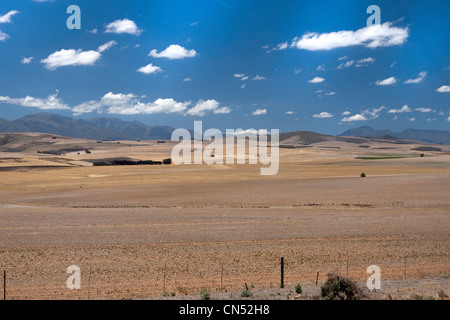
point(155, 231)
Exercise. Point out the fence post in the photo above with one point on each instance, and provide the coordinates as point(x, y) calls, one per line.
point(282, 273)
point(317, 277)
point(4, 284)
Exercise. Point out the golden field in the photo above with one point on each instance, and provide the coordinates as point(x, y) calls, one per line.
point(140, 231)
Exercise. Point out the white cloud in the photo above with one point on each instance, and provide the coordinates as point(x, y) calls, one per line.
point(106, 46)
point(244, 78)
point(129, 104)
point(320, 67)
point(51, 102)
point(258, 78)
point(6, 18)
point(202, 107)
point(323, 115)
point(26, 60)
point(386, 82)
point(187, 79)
point(424, 110)
point(346, 64)
point(282, 46)
point(149, 69)
point(412, 119)
point(342, 58)
point(380, 35)
point(364, 62)
point(432, 119)
point(194, 24)
point(297, 71)
point(290, 112)
point(243, 86)
point(373, 113)
point(356, 117)
point(71, 57)
point(405, 108)
point(346, 113)
point(239, 75)
point(316, 80)
point(259, 112)
point(444, 89)
point(173, 52)
point(3, 36)
point(395, 118)
point(419, 79)
point(93, 31)
point(332, 93)
point(123, 26)
point(448, 119)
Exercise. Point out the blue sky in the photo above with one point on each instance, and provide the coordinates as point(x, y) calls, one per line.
point(288, 65)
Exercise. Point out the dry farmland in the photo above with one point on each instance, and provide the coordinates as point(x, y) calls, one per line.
point(142, 231)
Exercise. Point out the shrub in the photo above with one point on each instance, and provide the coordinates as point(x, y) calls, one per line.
point(363, 175)
point(205, 294)
point(338, 288)
point(167, 161)
point(298, 288)
point(246, 293)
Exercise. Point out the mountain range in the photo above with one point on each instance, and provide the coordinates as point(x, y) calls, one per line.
point(432, 136)
point(95, 129)
point(116, 129)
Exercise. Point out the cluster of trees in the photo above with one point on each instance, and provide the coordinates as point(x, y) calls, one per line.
point(133, 162)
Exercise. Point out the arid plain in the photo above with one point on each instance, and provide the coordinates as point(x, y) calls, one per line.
point(150, 231)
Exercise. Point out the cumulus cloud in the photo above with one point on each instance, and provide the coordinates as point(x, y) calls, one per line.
point(405, 108)
point(129, 104)
point(71, 57)
point(379, 35)
point(150, 68)
point(444, 89)
point(290, 112)
point(323, 115)
point(259, 112)
point(386, 82)
point(368, 114)
point(173, 52)
point(202, 107)
point(316, 80)
point(123, 26)
point(356, 117)
point(52, 102)
point(419, 79)
point(239, 75)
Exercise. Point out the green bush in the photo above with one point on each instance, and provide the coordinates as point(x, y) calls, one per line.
point(363, 175)
point(246, 293)
point(339, 288)
point(205, 294)
point(298, 288)
point(167, 161)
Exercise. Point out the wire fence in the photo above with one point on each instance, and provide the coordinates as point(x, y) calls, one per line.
point(114, 280)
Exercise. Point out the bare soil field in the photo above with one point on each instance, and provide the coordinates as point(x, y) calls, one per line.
point(167, 231)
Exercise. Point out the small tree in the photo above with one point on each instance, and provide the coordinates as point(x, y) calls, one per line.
point(363, 175)
point(167, 161)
